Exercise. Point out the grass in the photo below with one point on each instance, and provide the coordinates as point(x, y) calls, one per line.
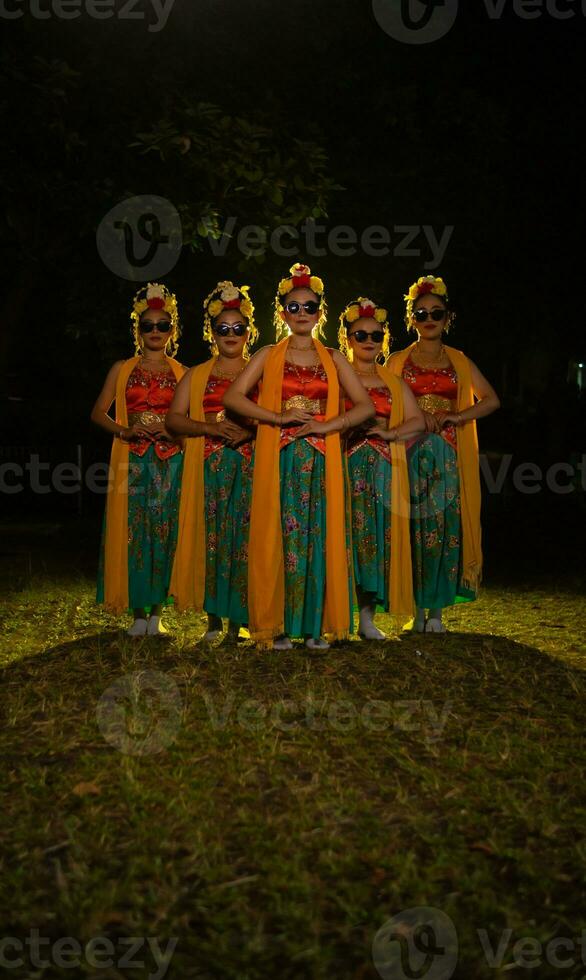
point(272, 812)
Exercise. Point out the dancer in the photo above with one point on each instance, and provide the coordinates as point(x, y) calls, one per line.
point(377, 469)
point(211, 562)
point(145, 470)
point(443, 463)
point(298, 564)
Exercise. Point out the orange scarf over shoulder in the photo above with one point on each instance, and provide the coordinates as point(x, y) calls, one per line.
point(266, 573)
point(468, 464)
point(189, 567)
point(116, 539)
point(401, 601)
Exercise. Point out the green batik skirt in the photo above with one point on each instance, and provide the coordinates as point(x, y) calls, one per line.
point(436, 527)
point(303, 518)
point(153, 511)
point(228, 492)
point(370, 497)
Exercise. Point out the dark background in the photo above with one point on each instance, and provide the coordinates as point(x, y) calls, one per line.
point(273, 112)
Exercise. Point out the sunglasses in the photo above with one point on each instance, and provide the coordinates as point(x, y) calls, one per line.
point(224, 329)
point(377, 336)
point(436, 315)
point(310, 307)
point(147, 326)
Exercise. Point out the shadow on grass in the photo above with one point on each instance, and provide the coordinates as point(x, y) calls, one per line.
point(273, 810)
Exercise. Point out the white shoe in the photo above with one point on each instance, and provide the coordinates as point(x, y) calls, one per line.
point(211, 635)
point(138, 628)
point(434, 626)
point(156, 628)
point(282, 643)
point(319, 644)
point(371, 632)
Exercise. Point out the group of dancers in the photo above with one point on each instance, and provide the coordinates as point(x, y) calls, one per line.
point(279, 490)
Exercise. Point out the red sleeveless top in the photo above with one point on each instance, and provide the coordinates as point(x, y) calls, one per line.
point(435, 389)
point(382, 400)
point(213, 404)
point(148, 392)
point(313, 384)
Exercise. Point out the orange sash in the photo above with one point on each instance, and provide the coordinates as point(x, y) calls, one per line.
point(266, 573)
point(468, 464)
point(189, 567)
point(116, 538)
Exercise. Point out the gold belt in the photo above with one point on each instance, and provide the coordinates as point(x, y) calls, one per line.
point(316, 406)
point(435, 403)
point(144, 418)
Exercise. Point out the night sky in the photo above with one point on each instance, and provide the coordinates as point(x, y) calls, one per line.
point(476, 133)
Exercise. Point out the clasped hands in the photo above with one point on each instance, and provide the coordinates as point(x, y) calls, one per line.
point(153, 431)
point(436, 421)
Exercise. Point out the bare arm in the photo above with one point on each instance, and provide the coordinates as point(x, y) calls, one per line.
point(178, 421)
point(362, 409)
point(103, 404)
point(413, 422)
point(236, 400)
point(487, 401)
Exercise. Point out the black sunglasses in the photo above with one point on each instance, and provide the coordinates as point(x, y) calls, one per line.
point(223, 329)
point(377, 336)
point(147, 326)
point(310, 307)
point(436, 315)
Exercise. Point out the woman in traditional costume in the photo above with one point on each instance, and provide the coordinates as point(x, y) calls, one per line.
point(299, 576)
point(377, 470)
point(443, 463)
point(145, 469)
point(211, 561)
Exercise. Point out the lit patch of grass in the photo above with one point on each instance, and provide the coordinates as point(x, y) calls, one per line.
point(300, 800)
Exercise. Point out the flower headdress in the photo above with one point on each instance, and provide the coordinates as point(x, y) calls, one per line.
point(226, 296)
point(155, 296)
point(299, 275)
point(363, 307)
point(424, 285)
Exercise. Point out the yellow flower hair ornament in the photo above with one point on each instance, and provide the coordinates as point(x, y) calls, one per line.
point(426, 285)
point(155, 296)
point(299, 276)
point(227, 296)
point(363, 308)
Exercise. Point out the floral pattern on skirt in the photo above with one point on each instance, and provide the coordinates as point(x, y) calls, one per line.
point(228, 491)
point(370, 496)
point(436, 527)
point(153, 514)
point(303, 518)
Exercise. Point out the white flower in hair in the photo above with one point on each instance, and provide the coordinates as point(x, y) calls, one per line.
point(229, 293)
point(155, 292)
